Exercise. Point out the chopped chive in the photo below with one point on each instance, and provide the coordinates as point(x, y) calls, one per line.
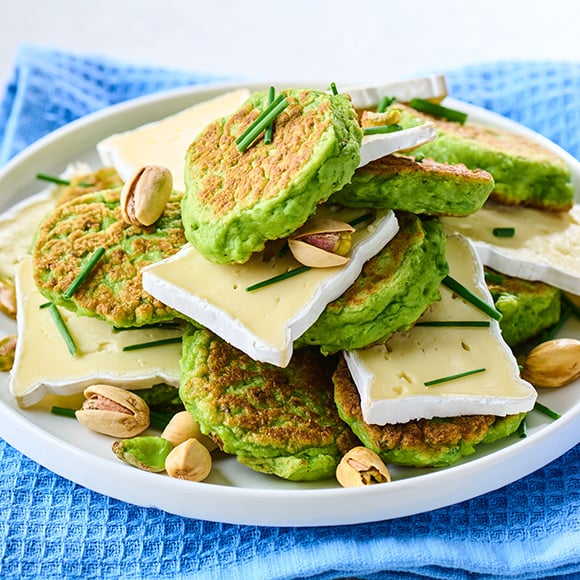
point(523, 429)
point(468, 295)
point(504, 232)
point(333, 89)
point(546, 410)
point(98, 253)
point(263, 120)
point(451, 323)
point(384, 104)
point(45, 305)
point(52, 179)
point(279, 278)
point(63, 329)
point(152, 343)
point(494, 278)
point(438, 110)
point(380, 129)
point(453, 377)
point(270, 127)
point(361, 219)
point(63, 412)
point(160, 325)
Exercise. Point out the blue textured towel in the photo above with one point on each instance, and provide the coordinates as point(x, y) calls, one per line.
point(52, 528)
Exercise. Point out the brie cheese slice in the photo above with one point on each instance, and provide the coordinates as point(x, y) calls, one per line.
point(165, 142)
point(391, 378)
point(263, 323)
point(43, 364)
point(545, 245)
point(431, 87)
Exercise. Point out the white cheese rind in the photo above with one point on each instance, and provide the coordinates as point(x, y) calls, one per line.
point(376, 146)
point(545, 247)
point(432, 87)
point(165, 142)
point(44, 365)
point(264, 323)
point(390, 379)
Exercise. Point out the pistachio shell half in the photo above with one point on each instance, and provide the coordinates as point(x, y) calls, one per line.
point(145, 195)
point(322, 243)
point(553, 363)
point(361, 466)
point(113, 411)
point(146, 452)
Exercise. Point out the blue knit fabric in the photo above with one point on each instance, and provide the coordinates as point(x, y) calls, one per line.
point(52, 528)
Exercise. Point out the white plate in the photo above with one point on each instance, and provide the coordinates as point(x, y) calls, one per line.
point(234, 493)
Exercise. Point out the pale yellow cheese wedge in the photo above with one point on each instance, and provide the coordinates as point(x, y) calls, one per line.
point(391, 378)
point(43, 363)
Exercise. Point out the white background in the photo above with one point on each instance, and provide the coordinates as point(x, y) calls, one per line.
point(364, 40)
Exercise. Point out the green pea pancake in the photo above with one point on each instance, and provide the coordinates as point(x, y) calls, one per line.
point(427, 187)
point(527, 307)
point(236, 201)
point(112, 291)
point(525, 172)
point(393, 290)
point(436, 442)
point(281, 421)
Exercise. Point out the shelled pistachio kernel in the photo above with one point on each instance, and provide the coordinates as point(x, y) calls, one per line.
point(145, 195)
point(322, 243)
point(146, 452)
point(361, 466)
point(553, 363)
point(7, 350)
point(190, 460)
point(113, 411)
point(182, 427)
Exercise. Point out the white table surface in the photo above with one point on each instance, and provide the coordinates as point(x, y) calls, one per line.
point(359, 40)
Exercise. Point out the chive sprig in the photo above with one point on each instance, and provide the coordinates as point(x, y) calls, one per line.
point(85, 271)
point(265, 118)
point(63, 329)
point(470, 297)
point(454, 377)
point(438, 110)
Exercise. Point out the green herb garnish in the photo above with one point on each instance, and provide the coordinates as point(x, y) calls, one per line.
point(261, 122)
point(85, 271)
point(333, 89)
point(52, 179)
point(453, 377)
point(494, 278)
point(385, 103)
point(451, 323)
point(152, 343)
point(63, 412)
point(270, 127)
point(546, 410)
point(504, 232)
point(468, 295)
point(380, 129)
point(63, 329)
point(361, 219)
point(438, 110)
point(278, 278)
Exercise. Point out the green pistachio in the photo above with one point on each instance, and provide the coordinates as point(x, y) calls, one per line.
point(145, 452)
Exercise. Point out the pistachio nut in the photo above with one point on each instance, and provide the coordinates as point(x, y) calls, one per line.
point(7, 297)
point(374, 119)
point(113, 411)
point(182, 427)
point(361, 466)
point(553, 363)
point(189, 460)
point(145, 195)
point(145, 452)
point(322, 243)
point(7, 350)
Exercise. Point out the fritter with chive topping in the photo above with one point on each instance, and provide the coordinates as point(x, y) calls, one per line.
point(112, 291)
point(437, 442)
point(281, 421)
point(235, 201)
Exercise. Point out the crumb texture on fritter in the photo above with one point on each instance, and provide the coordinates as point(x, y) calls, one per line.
point(436, 442)
point(112, 291)
point(276, 420)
